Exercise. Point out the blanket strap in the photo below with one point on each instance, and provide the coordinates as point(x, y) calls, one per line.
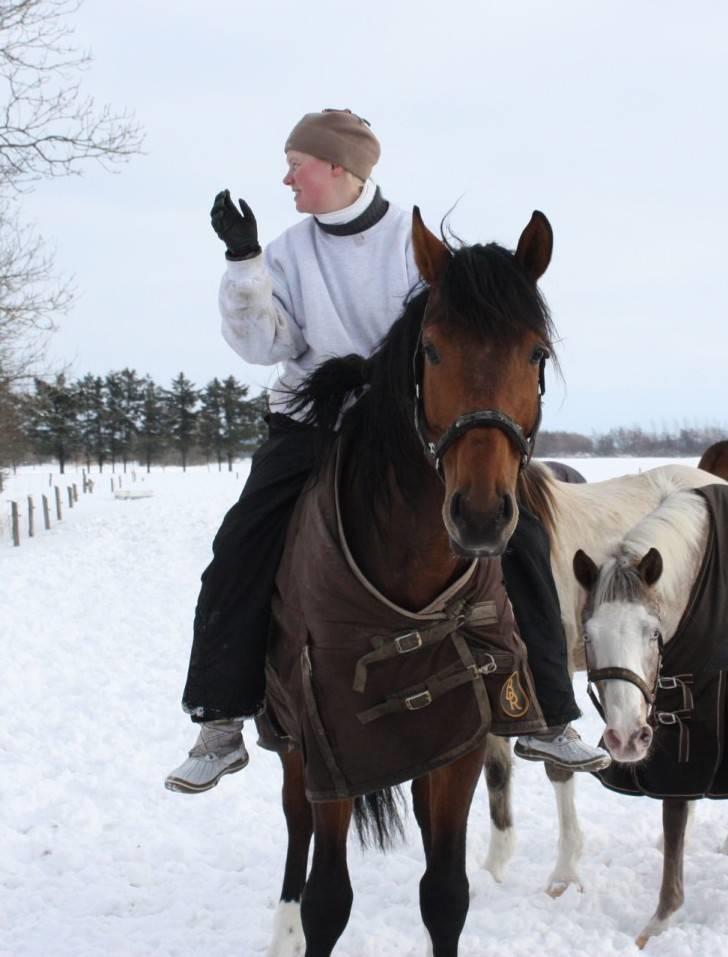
point(432, 689)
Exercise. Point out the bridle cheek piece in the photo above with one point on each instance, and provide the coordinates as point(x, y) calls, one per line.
point(479, 419)
point(649, 693)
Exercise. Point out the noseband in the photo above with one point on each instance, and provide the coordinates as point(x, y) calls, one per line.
point(479, 419)
point(649, 692)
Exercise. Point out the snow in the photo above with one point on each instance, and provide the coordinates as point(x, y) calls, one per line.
point(99, 859)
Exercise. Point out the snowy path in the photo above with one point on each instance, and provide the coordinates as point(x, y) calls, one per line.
point(98, 859)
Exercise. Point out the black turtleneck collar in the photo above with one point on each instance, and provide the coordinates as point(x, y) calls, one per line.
point(370, 217)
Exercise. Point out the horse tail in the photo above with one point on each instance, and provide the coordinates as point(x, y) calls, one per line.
point(319, 399)
point(379, 818)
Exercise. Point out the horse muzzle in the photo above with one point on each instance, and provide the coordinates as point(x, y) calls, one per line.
point(477, 534)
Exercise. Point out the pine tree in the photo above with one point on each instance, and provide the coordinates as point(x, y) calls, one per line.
point(151, 422)
point(210, 421)
point(131, 407)
point(53, 419)
point(92, 429)
point(236, 418)
point(181, 417)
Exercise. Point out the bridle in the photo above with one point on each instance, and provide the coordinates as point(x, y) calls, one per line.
point(479, 419)
point(649, 691)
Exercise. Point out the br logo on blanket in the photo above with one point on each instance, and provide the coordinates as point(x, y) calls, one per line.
point(513, 699)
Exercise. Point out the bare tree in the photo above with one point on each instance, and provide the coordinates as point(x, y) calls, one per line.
point(48, 128)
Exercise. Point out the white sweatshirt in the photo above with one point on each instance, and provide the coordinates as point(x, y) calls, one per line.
point(312, 295)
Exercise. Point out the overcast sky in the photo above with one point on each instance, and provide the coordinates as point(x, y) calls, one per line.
point(609, 117)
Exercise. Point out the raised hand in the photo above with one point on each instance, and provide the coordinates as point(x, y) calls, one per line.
point(239, 231)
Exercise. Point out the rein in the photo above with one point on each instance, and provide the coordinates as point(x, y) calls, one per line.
point(478, 419)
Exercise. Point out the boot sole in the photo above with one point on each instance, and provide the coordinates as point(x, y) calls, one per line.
point(595, 764)
point(184, 787)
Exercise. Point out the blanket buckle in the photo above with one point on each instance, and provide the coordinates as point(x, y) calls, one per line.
point(667, 683)
point(667, 717)
point(417, 701)
point(411, 641)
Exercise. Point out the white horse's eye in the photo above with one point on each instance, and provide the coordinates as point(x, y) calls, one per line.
point(655, 636)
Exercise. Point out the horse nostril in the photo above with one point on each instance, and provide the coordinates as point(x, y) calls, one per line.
point(612, 740)
point(645, 736)
point(507, 507)
point(456, 506)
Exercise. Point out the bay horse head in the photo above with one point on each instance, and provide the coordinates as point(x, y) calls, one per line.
point(478, 371)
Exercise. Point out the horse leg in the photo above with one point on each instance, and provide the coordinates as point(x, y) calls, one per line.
point(571, 839)
point(498, 771)
point(287, 928)
point(327, 896)
point(672, 895)
point(442, 802)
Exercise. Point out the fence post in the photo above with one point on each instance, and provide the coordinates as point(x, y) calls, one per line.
point(69, 490)
point(31, 509)
point(75, 492)
point(112, 483)
point(16, 524)
point(46, 513)
point(83, 481)
point(59, 514)
point(50, 479)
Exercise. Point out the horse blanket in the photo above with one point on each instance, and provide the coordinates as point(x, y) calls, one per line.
point(374, 694)
point(688, 758)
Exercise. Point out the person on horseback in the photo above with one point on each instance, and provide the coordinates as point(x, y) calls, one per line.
point(331, 285)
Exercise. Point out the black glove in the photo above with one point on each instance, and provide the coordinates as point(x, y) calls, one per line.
point(239, 233)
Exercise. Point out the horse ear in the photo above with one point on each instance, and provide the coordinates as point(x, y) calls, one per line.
point(650, 567)
point(535, 246)
point(585, 570)
point(431, 254)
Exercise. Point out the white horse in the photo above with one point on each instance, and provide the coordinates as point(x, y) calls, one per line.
point(594, 517)
point(637, 603)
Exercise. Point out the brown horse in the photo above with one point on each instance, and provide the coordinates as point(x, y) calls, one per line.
point(715, 459)
point(455, 385)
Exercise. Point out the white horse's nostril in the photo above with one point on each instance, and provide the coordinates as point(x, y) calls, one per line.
point(645, 736)
point(612, 740)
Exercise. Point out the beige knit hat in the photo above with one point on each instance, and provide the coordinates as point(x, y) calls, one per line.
point(337, 136)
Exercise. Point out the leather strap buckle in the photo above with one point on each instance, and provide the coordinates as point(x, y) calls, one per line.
point(409, 642)
point(417, 701)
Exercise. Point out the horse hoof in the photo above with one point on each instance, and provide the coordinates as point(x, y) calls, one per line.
point(641, 941)
point(556, 888)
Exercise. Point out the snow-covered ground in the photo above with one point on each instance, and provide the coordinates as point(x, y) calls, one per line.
point(98, 860)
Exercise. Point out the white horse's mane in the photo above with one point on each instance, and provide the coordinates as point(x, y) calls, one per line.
point(678, 529)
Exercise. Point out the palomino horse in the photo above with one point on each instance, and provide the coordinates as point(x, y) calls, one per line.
point(654, 635)
point(591, 516)
point(715, 459)
point(455, 385)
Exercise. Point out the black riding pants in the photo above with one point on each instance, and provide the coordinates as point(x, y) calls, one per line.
point(226, 672)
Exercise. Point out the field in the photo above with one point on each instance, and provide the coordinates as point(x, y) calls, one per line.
point(98, 859)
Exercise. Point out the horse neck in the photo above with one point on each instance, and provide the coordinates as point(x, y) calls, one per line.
point(678, 528)
point(401, 547)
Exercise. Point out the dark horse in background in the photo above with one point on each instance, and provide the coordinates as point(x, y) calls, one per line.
point(465, 361)
point(715, 459)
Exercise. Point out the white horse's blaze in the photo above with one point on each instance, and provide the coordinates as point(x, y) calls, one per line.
point(623, 634)
point(288, 939)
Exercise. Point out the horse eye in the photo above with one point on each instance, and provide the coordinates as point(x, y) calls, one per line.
point(540, 353)
point(431, 353)
point(655, 636)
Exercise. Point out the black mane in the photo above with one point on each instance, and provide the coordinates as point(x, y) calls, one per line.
point(484, 289)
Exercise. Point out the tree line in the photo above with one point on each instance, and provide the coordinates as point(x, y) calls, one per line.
point(626, 442)
point(123, 417)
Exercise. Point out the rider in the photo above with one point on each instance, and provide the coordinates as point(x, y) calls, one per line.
point(331, 285)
